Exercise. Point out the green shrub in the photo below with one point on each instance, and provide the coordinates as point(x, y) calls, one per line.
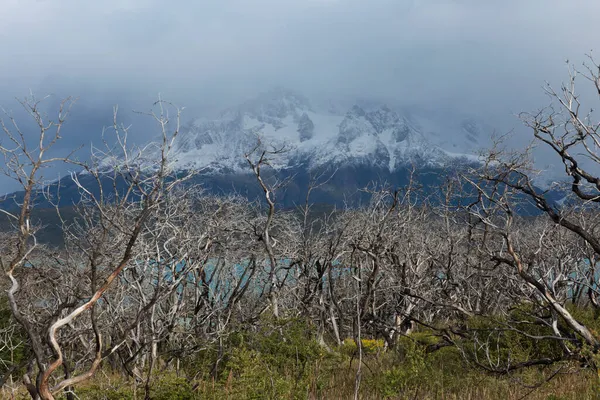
point(505, 343)
point(164, 386)
point(407, 370)
point(279, 360)
point(369, 346)
point(171, 387)
point(98, 391)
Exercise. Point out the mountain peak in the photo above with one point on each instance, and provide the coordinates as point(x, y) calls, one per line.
point(366, 134)
point(278, 102)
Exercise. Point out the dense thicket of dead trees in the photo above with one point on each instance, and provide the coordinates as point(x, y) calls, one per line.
point(154, 272)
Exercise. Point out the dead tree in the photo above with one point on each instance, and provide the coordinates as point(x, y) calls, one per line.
point(506, 189)
point(140, 180)
point(258, 158)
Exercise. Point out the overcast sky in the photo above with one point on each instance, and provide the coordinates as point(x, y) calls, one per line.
point(489, 58)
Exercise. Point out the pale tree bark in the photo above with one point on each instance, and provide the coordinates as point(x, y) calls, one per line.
point(148, 188)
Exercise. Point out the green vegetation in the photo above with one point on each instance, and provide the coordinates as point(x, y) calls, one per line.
point(281, 360)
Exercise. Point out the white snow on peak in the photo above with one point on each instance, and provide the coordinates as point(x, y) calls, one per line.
point(374, 135)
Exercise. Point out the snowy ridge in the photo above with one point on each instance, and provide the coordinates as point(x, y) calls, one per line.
point(374, 135)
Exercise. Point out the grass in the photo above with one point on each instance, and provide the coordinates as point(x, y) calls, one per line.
point(337, 382)
point(285, 362)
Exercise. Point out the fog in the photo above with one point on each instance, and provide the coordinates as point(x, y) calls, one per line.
point(486, 58)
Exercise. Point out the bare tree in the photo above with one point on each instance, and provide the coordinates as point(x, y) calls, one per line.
point(116, 221)
point(555, 264)
point(258, 157)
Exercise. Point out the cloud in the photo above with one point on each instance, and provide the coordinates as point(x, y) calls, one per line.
point(489, 58)
point(417, 49)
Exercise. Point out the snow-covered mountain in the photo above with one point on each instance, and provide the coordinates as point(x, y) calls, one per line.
point(366, 134)
point(366, 144)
